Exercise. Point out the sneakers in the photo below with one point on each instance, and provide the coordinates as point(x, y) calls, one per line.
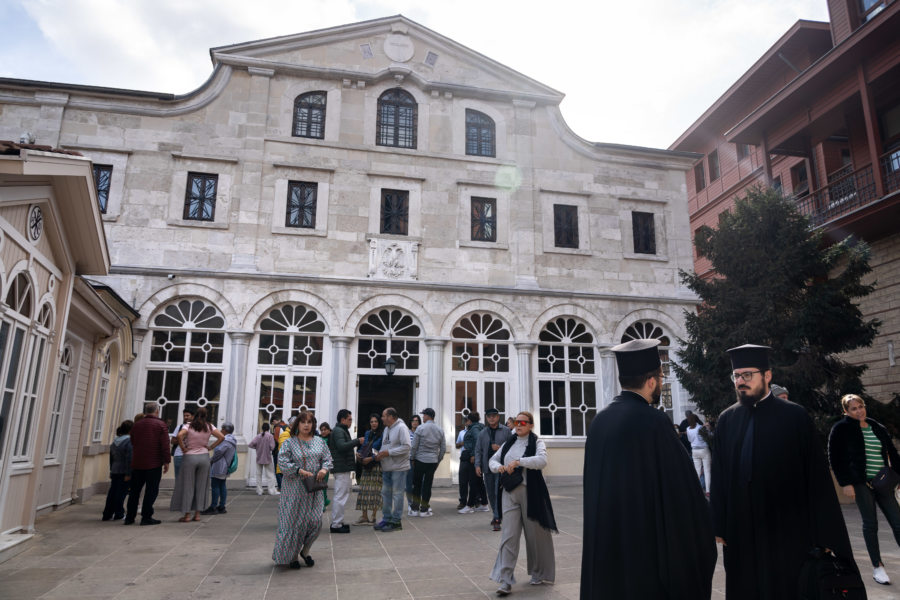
point(483, 508)
point(411, 513)
point(259, 491)
point(209, 511)
point(466, 510)
point(425, 513)
point(881, 576)
point(387, 527)
point(504, 589)
point(460, 505)
point(221, 510)
point(496, 524)
point(274, 492)
point(152, 521)
point(380, 525)
point(341, 529)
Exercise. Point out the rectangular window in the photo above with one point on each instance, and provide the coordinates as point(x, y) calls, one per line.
point(800, 180)
point(97, 436)
point(743, 151)
point(484, 219)
point(699, 176)
point(395, 212)
point(644, 231)
point(200, 197)
point(565, 226)
point(102, 177)
point(713, 160)
point(29, 395)
point(301, 204)
point(776, 184)
point(870, 8)
point(56, 413)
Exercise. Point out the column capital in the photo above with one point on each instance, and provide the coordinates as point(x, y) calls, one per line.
point(240, 337)
point(436, 342)
point(524, 347)
point(340, 341)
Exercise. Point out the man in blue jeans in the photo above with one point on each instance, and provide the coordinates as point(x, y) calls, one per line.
point(394, 459)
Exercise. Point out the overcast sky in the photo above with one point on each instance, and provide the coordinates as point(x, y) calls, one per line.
point(633, 73)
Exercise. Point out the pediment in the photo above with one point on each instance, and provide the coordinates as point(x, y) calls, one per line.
point(392, 47)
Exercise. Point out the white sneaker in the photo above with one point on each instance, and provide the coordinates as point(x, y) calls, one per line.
point(466, 510)
point(881, 576)
point(259, 491)
point(424, 513)
point(274, 492)
point(504, 589)
point(411, 513)
point(483, 508)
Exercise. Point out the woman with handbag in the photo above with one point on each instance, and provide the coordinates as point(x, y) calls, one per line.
point(304, 459)
point(192, 486)
point(525, 506)
point(368, 475)
point(865, 464)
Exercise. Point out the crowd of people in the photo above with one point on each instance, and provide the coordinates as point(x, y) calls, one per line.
point(656, 499)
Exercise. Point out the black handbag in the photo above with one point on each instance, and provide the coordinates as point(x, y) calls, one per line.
point(885, 481)
point(312, 484)
point(825, 576)
point(511, 481)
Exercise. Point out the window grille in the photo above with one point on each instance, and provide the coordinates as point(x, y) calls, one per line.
point(395, 212)
point(565, 225)
point(102, 178)
point(397, 119)
point(484, 219)
point(200, 197)
point(309, 115)
point(301, 205)
point(480, 134)
point(644, 232)
point(567, 378)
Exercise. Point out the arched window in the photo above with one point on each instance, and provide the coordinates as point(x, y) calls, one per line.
point(56, 410)
point(45, 316)
point(187, 347)
point(481, 134)
point(289, 361)
point(102, 397)
point(309, 115)
point(645, 330)
point(567, 379)
point(19, 296)
point(397, 119)
point(388, 332)
point(480, 364)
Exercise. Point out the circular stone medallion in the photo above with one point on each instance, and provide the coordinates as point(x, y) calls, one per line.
point(398, 47)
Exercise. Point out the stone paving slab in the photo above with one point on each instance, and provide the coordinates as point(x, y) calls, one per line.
point(74, 555)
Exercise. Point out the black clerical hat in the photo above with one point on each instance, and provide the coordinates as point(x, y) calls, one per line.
point(637, 357)
point(750, 355)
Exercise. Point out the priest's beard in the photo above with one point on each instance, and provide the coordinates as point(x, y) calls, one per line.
point(749, 396)
point(656, 394)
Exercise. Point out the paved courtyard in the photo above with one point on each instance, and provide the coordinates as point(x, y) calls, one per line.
point(75, 555)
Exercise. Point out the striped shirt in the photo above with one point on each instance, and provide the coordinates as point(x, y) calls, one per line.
point(874, 460)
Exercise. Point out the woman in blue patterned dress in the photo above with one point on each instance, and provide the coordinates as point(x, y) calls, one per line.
point(369, 475)
point(304, 454)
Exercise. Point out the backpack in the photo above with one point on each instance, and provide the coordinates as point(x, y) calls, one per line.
point(234, 463)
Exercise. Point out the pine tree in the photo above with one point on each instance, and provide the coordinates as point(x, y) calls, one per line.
point(777, 284)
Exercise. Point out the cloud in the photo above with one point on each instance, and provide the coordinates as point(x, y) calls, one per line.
point(634, 74)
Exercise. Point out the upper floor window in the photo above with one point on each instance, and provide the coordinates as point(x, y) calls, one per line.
point(713, 160)
point(309, 115)
point(870, 8)
point(565, 225)
point(102, 177)
point(743, 151)
point(699, 176)
point(301, 204)
point(395, 212)
point(644, 232)
point(397, 119)
point(484, 219)
point(200, 197)
point(800, 180)
point(480, 134)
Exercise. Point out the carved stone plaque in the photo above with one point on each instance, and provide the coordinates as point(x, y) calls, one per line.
point(393, 259)
point(398, 47)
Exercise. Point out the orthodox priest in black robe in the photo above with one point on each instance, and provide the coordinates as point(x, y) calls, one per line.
point(772, 496)
point(647, 527)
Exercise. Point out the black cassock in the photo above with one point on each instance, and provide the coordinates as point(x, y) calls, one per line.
point(647, 526)
point(772, 498)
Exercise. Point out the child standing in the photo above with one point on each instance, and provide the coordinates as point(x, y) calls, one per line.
point(264, 444)
point(119, 473)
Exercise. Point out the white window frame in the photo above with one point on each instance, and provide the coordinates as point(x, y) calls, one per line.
point(54, 431)
point(102, 397)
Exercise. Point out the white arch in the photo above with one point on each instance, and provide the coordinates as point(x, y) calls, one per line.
point(565, 310)
point(187, 290)
point(49, 301)
point(270, 301)
point(649, 314)
point(413, 308)
point(23, 266)
point(483, 305)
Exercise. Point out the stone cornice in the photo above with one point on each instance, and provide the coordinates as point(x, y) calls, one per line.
point(410, 285)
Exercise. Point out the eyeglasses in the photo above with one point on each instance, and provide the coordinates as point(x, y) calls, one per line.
point(746, 375)
point(523, 423)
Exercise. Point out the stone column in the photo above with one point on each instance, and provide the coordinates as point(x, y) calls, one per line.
point(525, 399)
point(340, 372)
point(237, 382)
point(434, 387)
point(608, 377)
point(134, 396)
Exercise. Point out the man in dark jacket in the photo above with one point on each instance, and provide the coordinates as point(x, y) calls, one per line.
point(341, 444)
point(151, 455)
point(489, 441)
point(772, 496)
point(468, 480)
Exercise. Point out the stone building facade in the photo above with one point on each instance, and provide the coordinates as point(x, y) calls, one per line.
point(328, 199)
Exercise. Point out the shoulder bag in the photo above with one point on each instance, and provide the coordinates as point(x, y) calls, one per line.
point(825, 576)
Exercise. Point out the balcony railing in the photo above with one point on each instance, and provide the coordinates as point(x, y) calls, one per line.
point(841, 196)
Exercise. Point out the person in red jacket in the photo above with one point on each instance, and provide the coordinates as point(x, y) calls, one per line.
point(151, 455)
